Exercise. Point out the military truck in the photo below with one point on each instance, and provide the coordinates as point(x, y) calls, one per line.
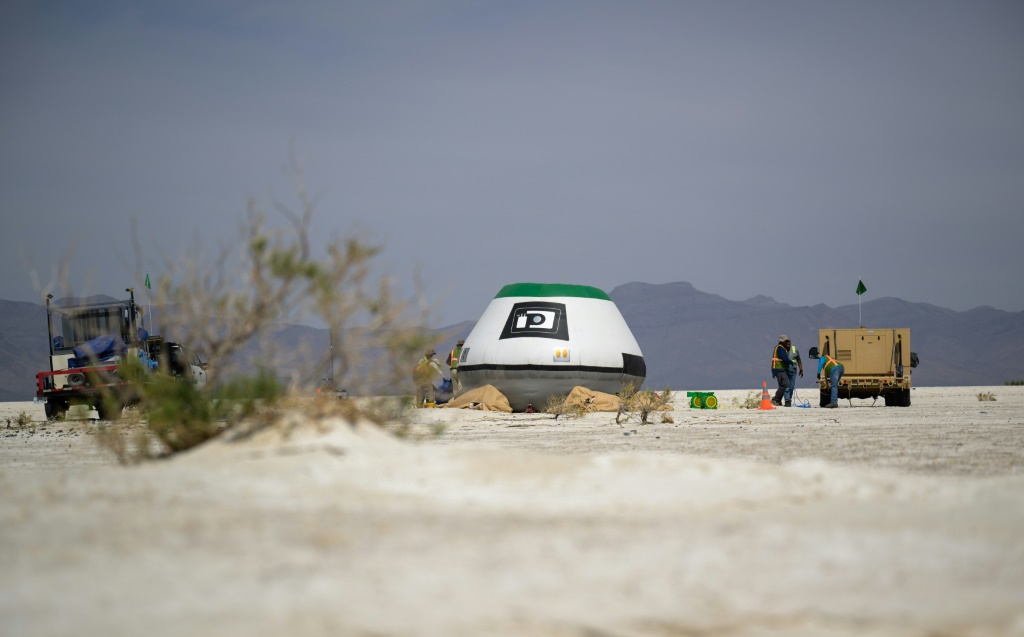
point(89, 344)
point(877, 362)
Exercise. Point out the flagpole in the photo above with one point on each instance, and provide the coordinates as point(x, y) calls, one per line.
point(860, 292)
point(149, 300)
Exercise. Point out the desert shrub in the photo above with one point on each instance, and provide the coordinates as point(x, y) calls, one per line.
point(639, 404)
point(557, 406)
point(986, 396)
point(181, 415)
point(174, 415)
point(751, 401)
point(282, 282)
point(234, 304)
point(21, 420)
point(1014, 382)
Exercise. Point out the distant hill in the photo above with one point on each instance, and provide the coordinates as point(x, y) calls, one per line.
point(690, 339)
point(695, 340)
point(23, 349)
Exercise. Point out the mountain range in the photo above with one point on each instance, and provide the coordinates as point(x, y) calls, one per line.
point(691, 340)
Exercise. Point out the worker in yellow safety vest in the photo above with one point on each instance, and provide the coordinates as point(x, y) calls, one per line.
point(780, 368)
point(453, 366)
point(834, 370)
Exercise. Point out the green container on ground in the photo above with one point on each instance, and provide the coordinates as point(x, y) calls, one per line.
point(702, 399)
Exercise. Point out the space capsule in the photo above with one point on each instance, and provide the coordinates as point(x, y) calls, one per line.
point(536, 340)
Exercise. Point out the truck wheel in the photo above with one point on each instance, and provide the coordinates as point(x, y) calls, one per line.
point(904, 397)
point(109, 412)
point(55, 410)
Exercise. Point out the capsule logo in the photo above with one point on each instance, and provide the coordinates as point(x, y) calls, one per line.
point(536, 319)
point(533, 319)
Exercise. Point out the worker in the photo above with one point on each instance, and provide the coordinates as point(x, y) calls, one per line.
point(796, 366)
point(834, 370)
point(423, 375)
point(780, 368)
point(453, 366)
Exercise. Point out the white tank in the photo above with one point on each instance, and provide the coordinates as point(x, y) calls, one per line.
point(535, 340)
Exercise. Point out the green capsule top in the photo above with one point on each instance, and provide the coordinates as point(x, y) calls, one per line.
point(552, 289)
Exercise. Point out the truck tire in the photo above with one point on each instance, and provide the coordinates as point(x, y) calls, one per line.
point(55, 410)
point(109, 412)
point(904, 397)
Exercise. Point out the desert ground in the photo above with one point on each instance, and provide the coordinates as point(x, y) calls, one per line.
point(865, 520)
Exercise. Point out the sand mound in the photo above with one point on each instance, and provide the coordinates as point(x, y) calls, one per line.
point(294, 431)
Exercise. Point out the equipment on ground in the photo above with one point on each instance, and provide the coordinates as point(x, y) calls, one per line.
point(327, 391)
point(766, 401)
point(798, 400)
point(443, 392)
point(876, 362)
point(702, 399)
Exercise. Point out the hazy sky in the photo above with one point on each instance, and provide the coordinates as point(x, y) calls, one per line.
point(778, 148)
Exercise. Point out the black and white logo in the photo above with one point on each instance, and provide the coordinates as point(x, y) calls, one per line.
point(536, 319)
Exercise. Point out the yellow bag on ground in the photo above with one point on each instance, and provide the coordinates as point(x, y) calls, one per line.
point(486, 398)
point(592, 400)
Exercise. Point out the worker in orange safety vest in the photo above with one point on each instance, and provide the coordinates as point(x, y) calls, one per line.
point(453, 366)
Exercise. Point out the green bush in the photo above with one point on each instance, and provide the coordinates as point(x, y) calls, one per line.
point(556, 406)
point(751, 401)
point(21, 420)
point(220, 311)
point(637, 404)
point(182, 415)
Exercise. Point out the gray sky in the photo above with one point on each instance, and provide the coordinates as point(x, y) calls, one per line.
point(778, 148)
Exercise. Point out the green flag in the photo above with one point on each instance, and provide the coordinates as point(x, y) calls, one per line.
point(150, 287)
point(860, 286)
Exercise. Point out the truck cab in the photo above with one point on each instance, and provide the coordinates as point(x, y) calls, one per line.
point(87, 342)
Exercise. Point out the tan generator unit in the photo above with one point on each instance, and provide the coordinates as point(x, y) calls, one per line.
point(877, 362)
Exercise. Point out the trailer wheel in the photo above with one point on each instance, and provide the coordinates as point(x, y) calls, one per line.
point(55, 410)
point(109, 412)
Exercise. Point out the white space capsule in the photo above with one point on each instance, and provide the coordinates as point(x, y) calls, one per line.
point(535, 340)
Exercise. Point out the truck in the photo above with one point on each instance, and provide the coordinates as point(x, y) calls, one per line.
point(876, 362)
point(90, 343)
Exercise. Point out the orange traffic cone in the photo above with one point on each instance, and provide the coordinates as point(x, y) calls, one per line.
point(766, 402)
